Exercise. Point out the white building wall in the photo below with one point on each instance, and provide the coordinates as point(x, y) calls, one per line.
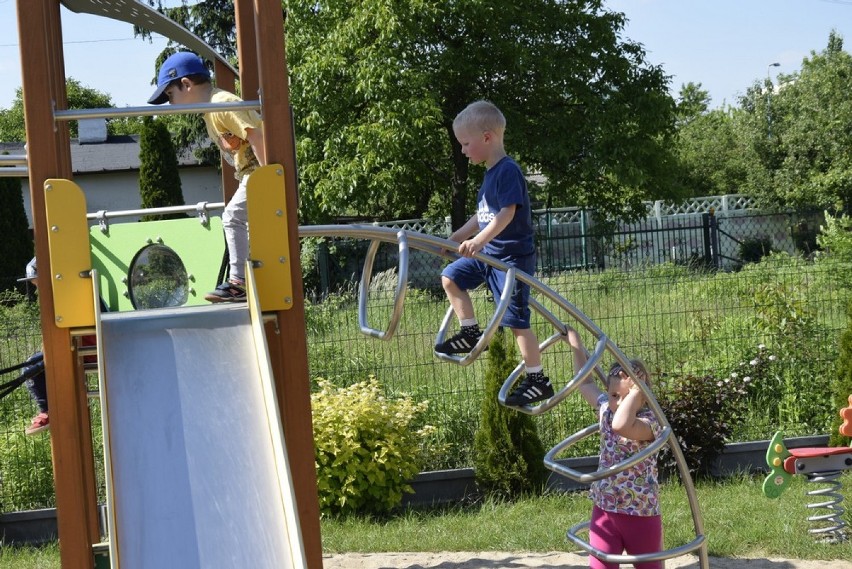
point(114, 191)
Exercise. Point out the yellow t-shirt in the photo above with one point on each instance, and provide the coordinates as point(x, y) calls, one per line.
point(236, 123)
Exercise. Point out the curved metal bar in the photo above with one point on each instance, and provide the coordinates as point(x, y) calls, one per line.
point(399, 295)
point(698, 543)
point(549, 316)
point(443, 248)
point(575, 382)
point(148, 18)
point(489, 331)
point(601, 473)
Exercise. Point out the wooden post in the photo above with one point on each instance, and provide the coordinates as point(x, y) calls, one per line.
point(287, 340)
point(43, 84)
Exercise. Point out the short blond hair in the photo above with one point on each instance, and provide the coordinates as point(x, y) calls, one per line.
point(481, 115)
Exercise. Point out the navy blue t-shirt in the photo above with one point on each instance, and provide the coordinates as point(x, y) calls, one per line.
point(504, 185)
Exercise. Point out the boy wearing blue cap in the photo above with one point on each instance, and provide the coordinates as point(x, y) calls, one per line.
point(183, 79)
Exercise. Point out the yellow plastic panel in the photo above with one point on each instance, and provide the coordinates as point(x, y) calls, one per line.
point(268, 240)
point(70, 261)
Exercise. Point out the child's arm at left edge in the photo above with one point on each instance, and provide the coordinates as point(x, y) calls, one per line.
point(254, 136)
point(495, 226)
point(624, 419)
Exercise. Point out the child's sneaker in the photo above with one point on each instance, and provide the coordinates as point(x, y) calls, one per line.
point(534, 388)
point(228, 291)
point(40, 423)
point(461, 343)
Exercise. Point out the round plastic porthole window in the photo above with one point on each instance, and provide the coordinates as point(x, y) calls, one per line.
point(157, 278)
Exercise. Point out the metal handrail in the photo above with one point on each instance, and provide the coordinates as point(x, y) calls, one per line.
point(13, 159)
point(153, 110)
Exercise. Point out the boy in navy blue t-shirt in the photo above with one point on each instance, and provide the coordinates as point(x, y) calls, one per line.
point(501, 228)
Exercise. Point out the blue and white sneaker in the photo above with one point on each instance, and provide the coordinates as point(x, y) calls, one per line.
point(534, 388)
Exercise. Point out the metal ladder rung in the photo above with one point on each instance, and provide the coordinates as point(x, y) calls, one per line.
point(399, 294)
point(551, 463)
point(575, 382)
point(489, 331)
point(693, 545)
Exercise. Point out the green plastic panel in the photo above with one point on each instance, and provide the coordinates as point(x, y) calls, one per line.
point(200, 247)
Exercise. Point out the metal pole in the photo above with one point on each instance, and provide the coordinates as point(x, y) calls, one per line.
point(155, 110)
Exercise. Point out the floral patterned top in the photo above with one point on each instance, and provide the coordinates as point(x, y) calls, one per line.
point(634, 491)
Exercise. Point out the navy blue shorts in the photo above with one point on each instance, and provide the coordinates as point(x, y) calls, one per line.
point(469, 273)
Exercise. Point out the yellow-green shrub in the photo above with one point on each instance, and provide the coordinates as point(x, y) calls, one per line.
point(368, 447)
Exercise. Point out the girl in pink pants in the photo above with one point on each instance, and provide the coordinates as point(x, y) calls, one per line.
point(626, 513)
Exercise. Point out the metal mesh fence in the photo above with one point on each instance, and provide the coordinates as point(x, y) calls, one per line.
point(681, 318)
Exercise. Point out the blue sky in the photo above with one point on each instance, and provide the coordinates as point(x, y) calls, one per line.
point(723, 44)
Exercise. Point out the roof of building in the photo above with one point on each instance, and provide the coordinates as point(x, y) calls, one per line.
point(115, 154)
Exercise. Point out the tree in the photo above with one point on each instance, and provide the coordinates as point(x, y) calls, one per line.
point(159, 178)
point(376, 85)
point(16, 247)
point(508, 454)
point(13, 129)
point(714, 159)
point(800, 133)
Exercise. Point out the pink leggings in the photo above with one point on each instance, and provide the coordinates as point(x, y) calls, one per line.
point(616, 533)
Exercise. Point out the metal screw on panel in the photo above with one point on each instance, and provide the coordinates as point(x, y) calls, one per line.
point(48, 187)
point(54, 228)
point(124, 280)
point(59, 319)
point(149, 241)
point(282, 259)
point(279, 213)
point(126, 294)
point(288, 300)
point(58, 276)
point(279, 172)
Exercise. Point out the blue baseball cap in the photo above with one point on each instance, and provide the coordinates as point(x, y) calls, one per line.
point(178, 65)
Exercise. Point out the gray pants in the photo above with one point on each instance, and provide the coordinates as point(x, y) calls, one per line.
point(235, 224)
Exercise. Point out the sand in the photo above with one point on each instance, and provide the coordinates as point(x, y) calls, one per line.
point(519, 560)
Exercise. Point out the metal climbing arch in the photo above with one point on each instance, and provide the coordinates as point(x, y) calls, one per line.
point(407, 240)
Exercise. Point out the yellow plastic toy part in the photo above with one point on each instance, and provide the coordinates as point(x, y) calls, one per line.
point(70, 259)
point(778, 479)
point(268, 238)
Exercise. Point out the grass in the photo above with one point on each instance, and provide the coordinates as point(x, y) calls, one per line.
point(738, 520)
point(739, 523)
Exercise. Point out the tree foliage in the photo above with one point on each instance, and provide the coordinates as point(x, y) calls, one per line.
point(376, 85)
point(800, 133)
point(159, 176)
point(713, 158)
point(508, 454)
point(16, 247)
